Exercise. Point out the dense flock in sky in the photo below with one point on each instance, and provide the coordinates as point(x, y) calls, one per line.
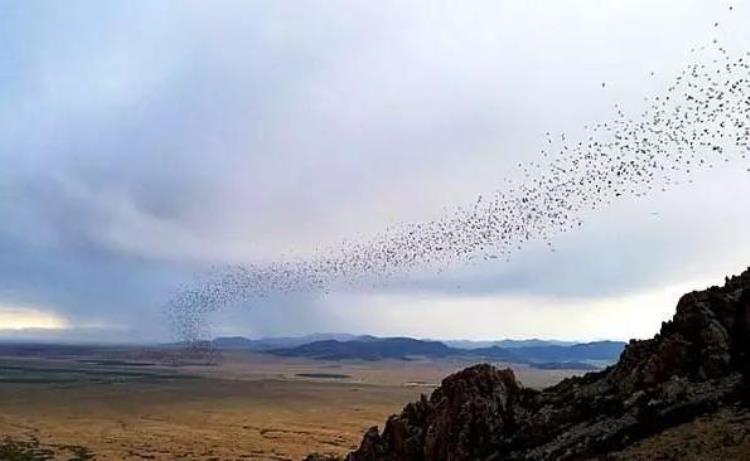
point(700, 121)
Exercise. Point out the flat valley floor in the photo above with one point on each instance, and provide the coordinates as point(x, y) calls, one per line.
point(126, 404)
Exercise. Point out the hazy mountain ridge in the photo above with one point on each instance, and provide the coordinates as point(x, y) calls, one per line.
point(271, 342)
point(368, 349)
point(577, 356)
point(268, 343)
point(507, 343)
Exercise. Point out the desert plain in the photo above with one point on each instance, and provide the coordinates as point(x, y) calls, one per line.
point(136, 403)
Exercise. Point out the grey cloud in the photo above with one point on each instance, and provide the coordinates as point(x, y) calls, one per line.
point(140, 144)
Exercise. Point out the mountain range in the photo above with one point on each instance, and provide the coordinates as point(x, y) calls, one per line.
point(537, 353)
point(264, 344)
point(576, 356)
point(506, 343)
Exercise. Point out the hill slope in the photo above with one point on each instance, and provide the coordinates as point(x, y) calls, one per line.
point(698, 365)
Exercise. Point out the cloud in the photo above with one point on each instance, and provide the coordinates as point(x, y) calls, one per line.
point(142, 143)
point(17, 318)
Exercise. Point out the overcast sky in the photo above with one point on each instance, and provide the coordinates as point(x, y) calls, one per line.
point(143, 142)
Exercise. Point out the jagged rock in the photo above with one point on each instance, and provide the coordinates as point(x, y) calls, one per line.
point(461, 418)
point(694, 366)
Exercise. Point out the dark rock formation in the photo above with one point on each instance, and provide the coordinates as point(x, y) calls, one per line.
point(692, 367)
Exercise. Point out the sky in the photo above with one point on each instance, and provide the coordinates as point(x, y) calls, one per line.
point(142, 143)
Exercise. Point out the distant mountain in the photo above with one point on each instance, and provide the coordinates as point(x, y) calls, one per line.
point(507, 343)
point(518, 343)
point(583, 356)
point(509, 350)
point(494, 353)
point(234, 342)
point(608, 351)
point(264, 344)
point(368, 348)
point(591, 353)
point(538, 353)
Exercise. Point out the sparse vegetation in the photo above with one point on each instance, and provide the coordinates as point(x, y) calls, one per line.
point(32, 450)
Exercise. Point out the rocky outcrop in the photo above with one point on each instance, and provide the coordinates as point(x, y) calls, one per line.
point(694, 366)
point(462, 419)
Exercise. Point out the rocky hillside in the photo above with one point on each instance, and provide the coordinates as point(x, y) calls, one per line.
point(691, 371)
